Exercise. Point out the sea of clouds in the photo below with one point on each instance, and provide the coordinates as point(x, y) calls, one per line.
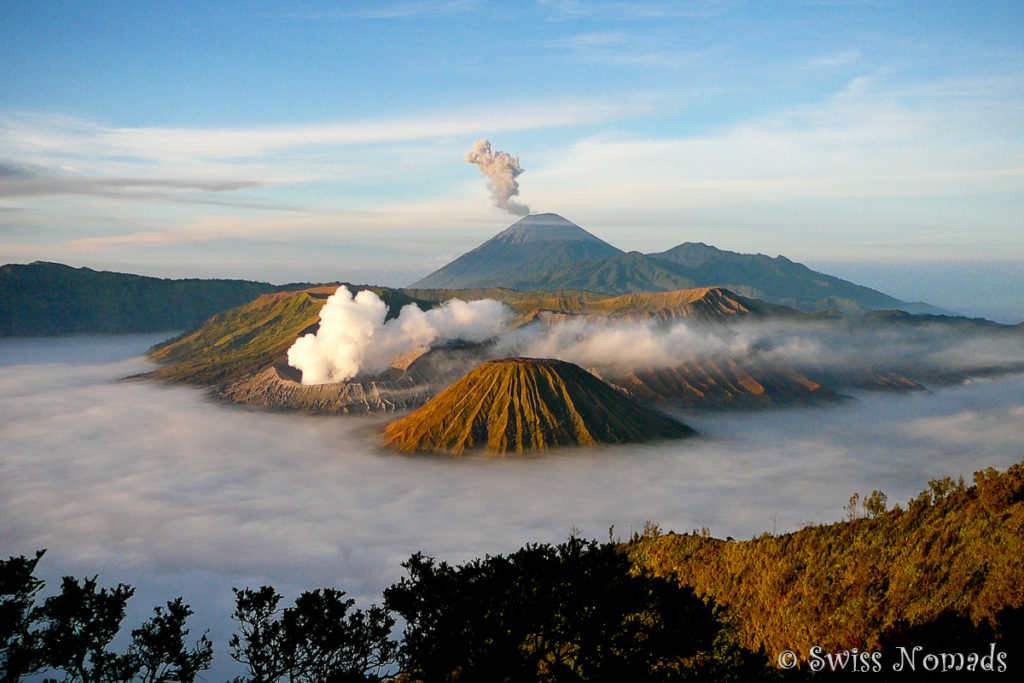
point(161, 488)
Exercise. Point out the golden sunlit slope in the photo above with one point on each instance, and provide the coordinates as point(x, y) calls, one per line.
point(705, 303)
point(523, 404)
point(952, 558)
point(723, 383)
point(248, 339)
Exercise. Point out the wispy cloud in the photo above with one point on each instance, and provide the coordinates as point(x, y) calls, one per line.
point(620, 48)
point(29, 183)
point(862, 142)
point(138, 238)
point(841, 58)
point(55, 135)
point(630, 11)
point(399, 10)
point(53, 155)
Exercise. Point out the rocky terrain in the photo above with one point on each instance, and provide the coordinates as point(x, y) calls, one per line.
point(513, 405)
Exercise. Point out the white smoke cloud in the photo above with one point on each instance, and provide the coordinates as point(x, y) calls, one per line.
point(633, 344)
point(501, 170)
point(354, 337)
point(623, 344)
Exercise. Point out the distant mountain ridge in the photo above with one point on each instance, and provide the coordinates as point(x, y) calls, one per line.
point(546, 252)
point(42, 299)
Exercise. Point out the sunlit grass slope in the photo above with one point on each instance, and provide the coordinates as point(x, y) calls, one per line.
point(953, 557)
point(248, 338)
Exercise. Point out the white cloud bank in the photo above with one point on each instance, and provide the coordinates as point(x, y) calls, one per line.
point(158, 487)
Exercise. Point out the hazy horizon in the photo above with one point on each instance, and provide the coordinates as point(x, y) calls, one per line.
point(993, 290)
point(330, 141)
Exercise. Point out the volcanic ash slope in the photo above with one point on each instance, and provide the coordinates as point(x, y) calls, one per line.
point(513, 405)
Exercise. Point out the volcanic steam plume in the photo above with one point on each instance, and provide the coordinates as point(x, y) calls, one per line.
point(501, 169)
point(353, 336)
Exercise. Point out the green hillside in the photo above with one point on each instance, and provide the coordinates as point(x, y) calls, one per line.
point(774, 279)
point(248, 338)
point(257, 334)
point(42, 299)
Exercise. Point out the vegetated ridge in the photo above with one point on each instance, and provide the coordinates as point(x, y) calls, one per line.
point(257, 334)
point(950, 563)
point(252, 336)
point(41, 299)
point(524, 404)
point(546, 251)
point(241, 354)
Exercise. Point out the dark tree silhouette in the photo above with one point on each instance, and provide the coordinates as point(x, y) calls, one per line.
point(80, 622)
point(68, 637)
point(319, 640)
point(159, 649)
point(572, 612)
point(19, 651)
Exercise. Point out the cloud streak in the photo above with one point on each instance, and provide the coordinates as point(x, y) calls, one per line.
point(22, 181)
point(68, 137)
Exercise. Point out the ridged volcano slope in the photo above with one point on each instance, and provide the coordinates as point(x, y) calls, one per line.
point(522, 404)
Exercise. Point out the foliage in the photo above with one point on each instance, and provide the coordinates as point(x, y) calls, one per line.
point(250, 337)
point(572, 612)
point(71, 632)
point(317, 641)
point(946, 573)
point(19, 652)
point(955, 555)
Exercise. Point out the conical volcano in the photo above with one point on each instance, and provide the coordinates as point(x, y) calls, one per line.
point(534, 242)
point(523, 404)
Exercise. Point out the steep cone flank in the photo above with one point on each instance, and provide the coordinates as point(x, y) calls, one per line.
point(539, 241)
point(520, 404)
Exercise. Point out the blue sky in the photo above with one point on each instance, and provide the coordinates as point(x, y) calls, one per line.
point(326, 140)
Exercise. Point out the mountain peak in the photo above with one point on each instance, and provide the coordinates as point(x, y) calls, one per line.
point(545, 227)
point(523, 404)
point(532, 243)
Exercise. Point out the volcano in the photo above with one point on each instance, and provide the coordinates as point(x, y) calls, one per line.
point(548, 252)
point(537, 241)
point(514, 405)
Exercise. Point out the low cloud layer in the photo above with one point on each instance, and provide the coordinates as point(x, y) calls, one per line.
point(158, 487)
point(824, 345)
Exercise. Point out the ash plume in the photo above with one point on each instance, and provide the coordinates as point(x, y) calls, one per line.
point(501, 169)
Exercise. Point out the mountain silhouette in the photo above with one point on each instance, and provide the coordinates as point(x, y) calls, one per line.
point(535, 242)
point(548, 252)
